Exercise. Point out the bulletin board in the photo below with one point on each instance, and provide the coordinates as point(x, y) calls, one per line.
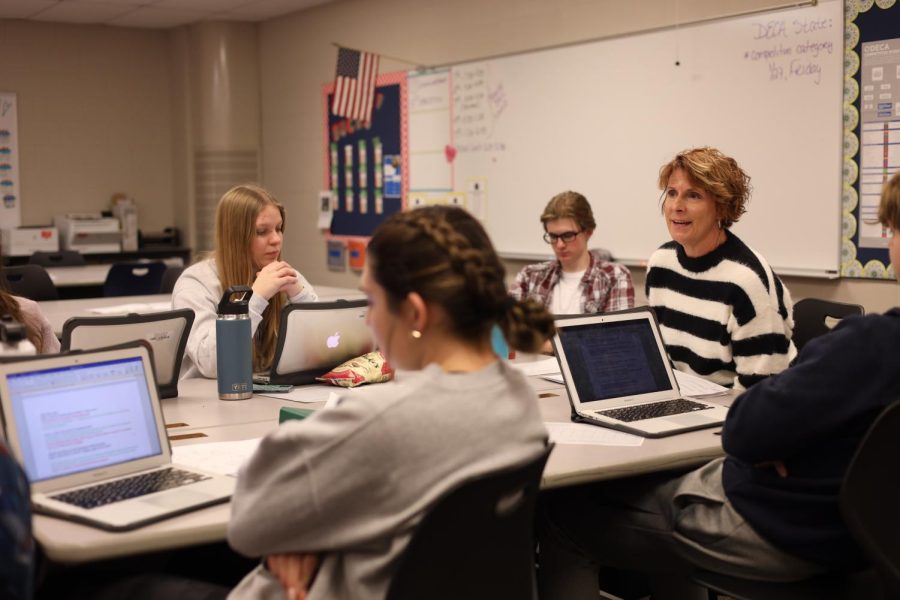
point(871, 132)
point(365, 163)
point(10, 194)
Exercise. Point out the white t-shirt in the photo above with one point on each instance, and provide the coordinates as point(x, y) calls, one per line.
point(566, 296)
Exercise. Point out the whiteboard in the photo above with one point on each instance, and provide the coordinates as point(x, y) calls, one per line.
point(503, 136)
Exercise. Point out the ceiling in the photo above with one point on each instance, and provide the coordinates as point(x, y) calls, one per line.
point(150, 14)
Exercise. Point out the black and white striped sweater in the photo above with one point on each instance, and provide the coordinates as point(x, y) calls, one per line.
point(725, 316)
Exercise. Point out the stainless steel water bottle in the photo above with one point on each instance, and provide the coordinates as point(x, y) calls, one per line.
point(234, 357)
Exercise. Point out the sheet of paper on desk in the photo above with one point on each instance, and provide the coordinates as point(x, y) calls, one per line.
point(554, 377)
point(581, 433)
point(135, 307)
point(219, 457)
point(697, 387)
point(536, 367)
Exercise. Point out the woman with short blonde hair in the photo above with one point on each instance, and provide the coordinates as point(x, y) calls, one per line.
point(723, 312)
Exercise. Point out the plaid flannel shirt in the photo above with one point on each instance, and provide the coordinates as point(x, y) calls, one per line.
point(606, 286)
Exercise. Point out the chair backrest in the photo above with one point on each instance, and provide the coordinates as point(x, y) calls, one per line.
point(167, 332)
point(30, 281)
point(477, 541)
point(810, 316)
point(63, 258)
point(134, 279)
point(169, 278)
point(870, 495)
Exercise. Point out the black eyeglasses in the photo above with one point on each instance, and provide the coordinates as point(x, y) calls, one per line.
point(566, 237)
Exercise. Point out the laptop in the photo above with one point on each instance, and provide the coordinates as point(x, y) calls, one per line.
point(166, 331)
point(88, 429)
point(618, 375)
point(315, 337)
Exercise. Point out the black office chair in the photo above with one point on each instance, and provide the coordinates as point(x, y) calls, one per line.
point(63, 258)
point(134, 279)
point(810, 316)
point(477, 541)
point(30, 281)
point(870, 495)
point(169, 278)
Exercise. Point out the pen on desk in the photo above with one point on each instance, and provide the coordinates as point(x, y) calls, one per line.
point(718, 432)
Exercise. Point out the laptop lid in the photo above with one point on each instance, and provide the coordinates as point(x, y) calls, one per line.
point(614, 359)
point(166, 332)
point(315, 337)
point(75, 419)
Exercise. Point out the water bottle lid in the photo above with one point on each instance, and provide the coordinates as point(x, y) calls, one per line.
point(230, 306)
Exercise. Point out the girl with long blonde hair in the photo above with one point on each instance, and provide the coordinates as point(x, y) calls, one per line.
point(248, 242)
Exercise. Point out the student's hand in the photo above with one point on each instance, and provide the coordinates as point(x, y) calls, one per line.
point(294, 288)
point(276, 277)
point(778, 465)
point(294, 571)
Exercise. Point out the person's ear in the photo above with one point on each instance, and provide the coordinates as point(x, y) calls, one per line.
point(588, 233)
point(416, 311)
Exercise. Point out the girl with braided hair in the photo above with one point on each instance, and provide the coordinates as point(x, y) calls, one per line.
point(341, 492)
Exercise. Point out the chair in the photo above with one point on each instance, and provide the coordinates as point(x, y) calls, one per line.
point(134, 279)
point(63, 258)
point(869, 498)
point(810, 316)
point(870, 495)
point(477, 541)
point(167, 333)
point(30, 281)
point(169, 278)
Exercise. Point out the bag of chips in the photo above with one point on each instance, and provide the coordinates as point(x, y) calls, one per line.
point(368, 368)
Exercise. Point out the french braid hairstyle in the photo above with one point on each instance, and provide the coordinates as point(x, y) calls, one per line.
point(444, 254)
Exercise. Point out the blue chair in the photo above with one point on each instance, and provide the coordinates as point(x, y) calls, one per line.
point(168, 281)
point(134, 279)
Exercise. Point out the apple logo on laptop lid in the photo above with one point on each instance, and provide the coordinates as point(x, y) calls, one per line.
point(333, 340)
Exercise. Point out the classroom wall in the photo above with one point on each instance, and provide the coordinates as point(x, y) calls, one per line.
point(297, 55)
point(95, 118)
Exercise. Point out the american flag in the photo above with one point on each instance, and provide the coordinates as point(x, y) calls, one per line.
point(354, 84)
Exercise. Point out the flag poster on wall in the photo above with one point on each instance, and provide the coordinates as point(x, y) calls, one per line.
point(356, 155)
point(10, 208)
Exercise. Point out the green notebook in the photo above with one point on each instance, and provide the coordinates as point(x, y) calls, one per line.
point(289, 412)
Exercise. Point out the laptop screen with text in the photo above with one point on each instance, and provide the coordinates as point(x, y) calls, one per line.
point(614, 359)
point(83, 417)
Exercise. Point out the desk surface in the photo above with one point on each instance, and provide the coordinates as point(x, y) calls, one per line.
point(197, 410)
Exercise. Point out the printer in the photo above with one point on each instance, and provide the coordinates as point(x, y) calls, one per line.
point(89, 233)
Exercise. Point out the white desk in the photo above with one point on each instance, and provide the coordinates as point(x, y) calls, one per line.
point(59, 311)
point(77, 275)
point(201, 412)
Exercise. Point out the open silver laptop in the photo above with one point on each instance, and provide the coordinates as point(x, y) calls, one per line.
point(315, 337)
point(618, 375)
point(88, 429)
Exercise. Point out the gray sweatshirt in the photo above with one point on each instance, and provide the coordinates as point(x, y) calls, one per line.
point(352, 482)
point(199, 289)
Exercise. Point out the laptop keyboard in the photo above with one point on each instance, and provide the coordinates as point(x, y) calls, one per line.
point(653, 410)
point(131, 487)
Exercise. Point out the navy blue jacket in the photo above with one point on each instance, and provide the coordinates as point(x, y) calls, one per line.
point(811, 417)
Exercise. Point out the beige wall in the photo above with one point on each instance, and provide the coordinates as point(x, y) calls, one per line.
point(104, 109)
point(297, 57)
point(95, 118)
